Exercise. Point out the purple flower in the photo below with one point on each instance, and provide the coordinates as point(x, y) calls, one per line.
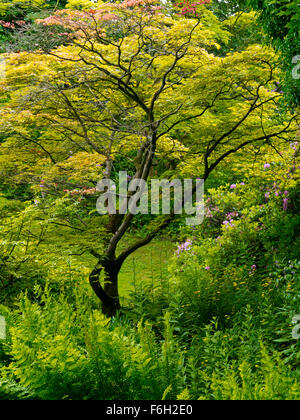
point(228, 223)
point(294, 146)
point(267, 195)
point(286, 193)
point(285, 203)
point(207, 267)
point(233, 186)
point(267, 165)
point(242, 183)
point(209, 213)
point(186, 246)
point(231, 215)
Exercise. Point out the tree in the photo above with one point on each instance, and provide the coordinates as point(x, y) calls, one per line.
point(280, 19)
point(135, 88)
point(16, 6)
point(20, 14)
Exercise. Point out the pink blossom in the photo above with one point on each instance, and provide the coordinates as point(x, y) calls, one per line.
point(228, 223)
point(231, 215)
point(186, 246)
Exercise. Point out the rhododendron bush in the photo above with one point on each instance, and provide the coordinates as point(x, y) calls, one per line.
point(249, 228)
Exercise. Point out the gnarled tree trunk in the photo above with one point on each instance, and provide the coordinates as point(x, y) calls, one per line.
point(112, 305)
point(108, 294)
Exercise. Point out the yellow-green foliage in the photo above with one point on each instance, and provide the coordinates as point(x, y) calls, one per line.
point(270, 381)
point(219, 324)
point(82, 4)
point(60, 352)
point(5, 5)
point(64, 350)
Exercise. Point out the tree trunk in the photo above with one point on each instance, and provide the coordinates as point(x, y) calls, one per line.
point(108, 294)
point(111, 305)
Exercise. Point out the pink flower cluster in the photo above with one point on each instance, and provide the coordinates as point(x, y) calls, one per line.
point(186, 246)
point(228, 223)
point(277, 193)
point(229, 219)
point(188, 7)
point(232, 215)
point(209, 210)
point(12, 25)
point(295, 146)
point(9, 25)
point(134, 3)
point(84, 191)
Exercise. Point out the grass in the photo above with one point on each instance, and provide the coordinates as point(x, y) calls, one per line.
point(148, 264)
